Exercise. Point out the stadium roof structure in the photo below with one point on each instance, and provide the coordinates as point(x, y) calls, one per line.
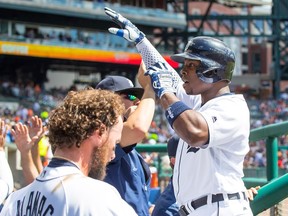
point(239, 3)
point(70, 15)
point(245, 2)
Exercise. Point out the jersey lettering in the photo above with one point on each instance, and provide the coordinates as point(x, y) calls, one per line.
point(214, 119)
point(20, 207)
point(36, 203)
point(35, 206)
point(192, 149)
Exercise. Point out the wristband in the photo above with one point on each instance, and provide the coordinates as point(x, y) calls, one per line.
point(140, 38)
point(174, 110)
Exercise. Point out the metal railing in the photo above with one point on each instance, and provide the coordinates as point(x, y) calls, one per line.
point(276, 188)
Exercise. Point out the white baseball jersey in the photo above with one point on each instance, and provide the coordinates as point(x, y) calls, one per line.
point(218, 166)
point(6, 177)
point(64, 191)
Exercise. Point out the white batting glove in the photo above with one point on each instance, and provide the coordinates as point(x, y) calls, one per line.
point(128, 31)
point(162, 79)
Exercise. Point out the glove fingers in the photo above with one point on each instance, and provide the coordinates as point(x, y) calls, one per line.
point(116, 17)
point(148, 72)
point(121, 33)
point(162, 65)
point(158, 65)
point(154, 67)
point(108, 10)
point(116, 31)
point(110, 13)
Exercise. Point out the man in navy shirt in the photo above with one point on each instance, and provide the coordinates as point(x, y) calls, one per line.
point(128, 172)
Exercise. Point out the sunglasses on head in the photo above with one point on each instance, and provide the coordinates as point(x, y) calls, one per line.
point(130, 97)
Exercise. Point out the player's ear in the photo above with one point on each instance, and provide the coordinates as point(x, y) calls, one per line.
point(100, 136)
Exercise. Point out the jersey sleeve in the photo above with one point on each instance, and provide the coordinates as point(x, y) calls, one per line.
point(227, 122)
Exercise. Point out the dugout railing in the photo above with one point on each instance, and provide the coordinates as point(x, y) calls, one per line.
point(273, 189)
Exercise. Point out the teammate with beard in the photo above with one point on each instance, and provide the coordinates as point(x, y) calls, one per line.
point(83, 131)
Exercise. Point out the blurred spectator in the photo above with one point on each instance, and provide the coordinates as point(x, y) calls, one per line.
point(44, 115)
point(280, 160)
point(45, 150)
point(259, 159)
point(36, 108)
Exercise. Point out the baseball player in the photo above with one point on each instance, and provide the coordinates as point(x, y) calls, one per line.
point(166, 204)
point(213, 124)
point(83, 131)
point(6, 176)
point(128, 172)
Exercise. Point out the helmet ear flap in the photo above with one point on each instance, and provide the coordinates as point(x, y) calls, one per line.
point(210, 73)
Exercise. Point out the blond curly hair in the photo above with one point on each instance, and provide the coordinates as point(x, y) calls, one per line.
point(80, 114)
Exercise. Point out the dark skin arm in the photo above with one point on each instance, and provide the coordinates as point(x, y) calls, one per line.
point(189, 125)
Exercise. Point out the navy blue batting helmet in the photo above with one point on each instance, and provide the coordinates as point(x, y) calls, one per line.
point(217, 60)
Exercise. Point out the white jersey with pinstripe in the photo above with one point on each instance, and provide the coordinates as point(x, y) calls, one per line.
point(218, 166)
point(66, 191)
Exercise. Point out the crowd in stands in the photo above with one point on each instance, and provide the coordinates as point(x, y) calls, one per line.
point(71, 38)
point(34, 100)
point(149, 8)
point(266, 112)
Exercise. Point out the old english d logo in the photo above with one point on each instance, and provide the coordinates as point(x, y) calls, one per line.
point(192, 149)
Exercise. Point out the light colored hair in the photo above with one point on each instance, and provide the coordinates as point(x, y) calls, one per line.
point(81, 113)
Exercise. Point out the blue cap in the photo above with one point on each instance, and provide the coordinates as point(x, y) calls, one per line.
point(120, 84)
point(172, 145)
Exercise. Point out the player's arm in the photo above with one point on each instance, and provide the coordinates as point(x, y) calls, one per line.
point(24, 144)
point(194, 130)
point(190, 125)
point(132, 34)
point(187, 123)
point(6, 177)
point(36, 156)
point(139, 118)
